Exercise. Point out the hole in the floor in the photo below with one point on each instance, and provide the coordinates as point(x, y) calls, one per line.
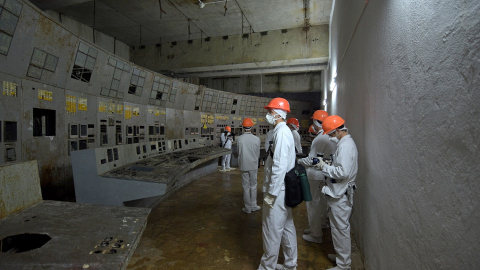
point(23, 242)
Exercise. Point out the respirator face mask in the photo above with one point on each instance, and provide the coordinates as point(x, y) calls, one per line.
point(334, 138)
point(270, 118)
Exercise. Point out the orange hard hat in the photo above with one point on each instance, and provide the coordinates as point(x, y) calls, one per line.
point(312, 131)
point(228, 128)
point(331, 123)
point(247, 122)
point(293, 121)
point(278, 103)
point(320, 115)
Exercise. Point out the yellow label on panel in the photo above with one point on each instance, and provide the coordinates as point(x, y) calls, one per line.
point(102, 106)
point(119, 109)
point(261, 119)
point(10, 89)
point(157, 112)
point(45, 95)
point(150, 110)
point(82, 104)
point(71, 104)
point(207, 119)
point(128, 112)
point(111, 107)
point(219, 117)
point(136, 111)
point(162, 112)
point(226, 118)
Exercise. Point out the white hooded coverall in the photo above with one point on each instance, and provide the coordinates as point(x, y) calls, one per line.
point(298, 143)
point(223, 137)
point(226, 158)
point(268, 138)
point(277, 222)
point(317, 207)
point(248, 155)
point(343, 170)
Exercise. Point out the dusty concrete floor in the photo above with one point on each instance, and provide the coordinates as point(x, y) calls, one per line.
point(202, 226)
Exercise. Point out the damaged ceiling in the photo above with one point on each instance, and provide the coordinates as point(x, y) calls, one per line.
point(144, 22)
point(148, 22)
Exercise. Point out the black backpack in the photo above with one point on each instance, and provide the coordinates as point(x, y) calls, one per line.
point(226, 132)
point(222, 144)
point(296, 184)
point(293, 185)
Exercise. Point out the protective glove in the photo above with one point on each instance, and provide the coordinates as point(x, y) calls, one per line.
point(320, 164)
point(306, 161)
point(269, 200)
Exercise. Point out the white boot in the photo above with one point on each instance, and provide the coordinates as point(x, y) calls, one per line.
point(336, 268)
point(311, 238)
point(256, 208)
point(332, 257)
point(283, 267)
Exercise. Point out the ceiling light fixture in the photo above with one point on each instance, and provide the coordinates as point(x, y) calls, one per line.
point(333, 83)
point(201, 4)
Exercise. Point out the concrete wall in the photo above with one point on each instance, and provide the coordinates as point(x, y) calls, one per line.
point(408, 88)
point(272, 83)
point(87, 33)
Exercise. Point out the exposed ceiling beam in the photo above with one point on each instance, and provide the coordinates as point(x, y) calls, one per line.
point(273, 67)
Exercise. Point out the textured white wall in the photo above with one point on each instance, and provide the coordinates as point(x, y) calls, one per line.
point(409, 89)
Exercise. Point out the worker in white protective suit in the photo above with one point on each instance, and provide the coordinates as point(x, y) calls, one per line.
point(294, 125)
point(226, 158)
point(267, 143)
point(340, 188)
point(248, 157)
point(321, 147)
point(268, 139)
point(223, 136)
point(313, 131)
point(277, 220)
point(223, 139)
